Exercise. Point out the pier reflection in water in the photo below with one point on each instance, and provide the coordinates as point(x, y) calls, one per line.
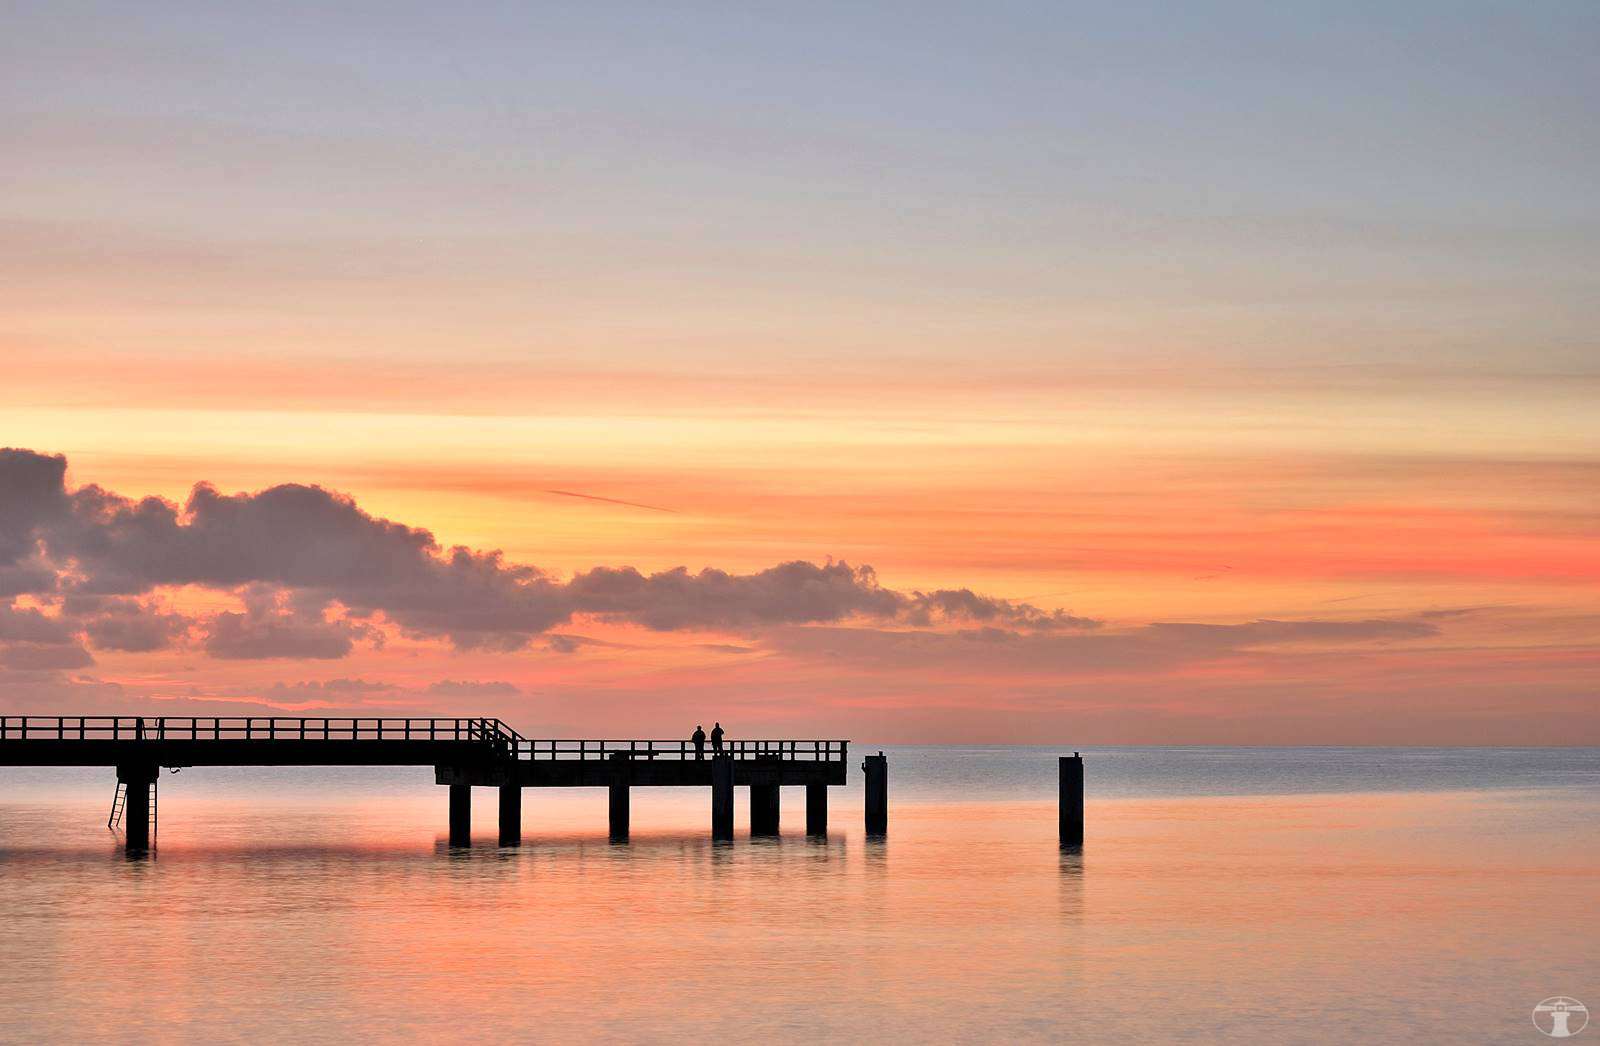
point(321, 913)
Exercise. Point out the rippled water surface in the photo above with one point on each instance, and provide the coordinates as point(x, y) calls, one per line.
point(1223, 895)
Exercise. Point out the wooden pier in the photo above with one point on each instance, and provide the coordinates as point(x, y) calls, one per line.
point(464, 752)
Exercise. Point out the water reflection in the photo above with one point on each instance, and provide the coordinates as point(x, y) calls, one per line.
point(325, 920)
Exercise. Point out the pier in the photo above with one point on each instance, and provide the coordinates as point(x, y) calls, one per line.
point(464, 752)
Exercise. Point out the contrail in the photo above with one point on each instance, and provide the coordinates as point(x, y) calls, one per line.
point(611, 501)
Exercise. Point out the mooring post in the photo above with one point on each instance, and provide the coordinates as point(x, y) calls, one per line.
point(1071, 801)
point(722, 797)
point(816, 809)
point(460, 815)
point(136, 781)
point(511, 814)
point(764, 810)
point(620, 764)
point(876, 767)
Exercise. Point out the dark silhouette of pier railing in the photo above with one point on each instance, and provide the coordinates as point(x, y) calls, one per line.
point(465, 752)
point(250, 728)
point(492, 733)
point(811, 751)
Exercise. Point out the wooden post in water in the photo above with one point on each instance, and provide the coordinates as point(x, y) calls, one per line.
point(620, 765)
point(1071, 801)
point(511, 815)
point(876, 768)
point(460, 815)
point(722, 797)
point(816, 809)
point(136, 782)
point(764, 809)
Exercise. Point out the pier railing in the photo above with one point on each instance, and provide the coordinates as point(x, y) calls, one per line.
point(250, 728)
point(803, 751)
point(506, 742)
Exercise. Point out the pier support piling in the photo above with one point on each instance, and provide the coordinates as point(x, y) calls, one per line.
point(816, 809)
point(722, 797)
point(620, 765)
point(136, 781)
point(511, 815)
point(764, 809)
point(460, 815)
point(1071, 801)
point(876, 767)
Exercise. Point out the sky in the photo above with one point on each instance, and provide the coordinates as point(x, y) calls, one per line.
point(1010, 372)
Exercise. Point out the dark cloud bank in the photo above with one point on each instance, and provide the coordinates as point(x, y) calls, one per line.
point(315, 573)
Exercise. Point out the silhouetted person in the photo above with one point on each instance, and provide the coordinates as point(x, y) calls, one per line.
point(699, 740)
point(716, 738)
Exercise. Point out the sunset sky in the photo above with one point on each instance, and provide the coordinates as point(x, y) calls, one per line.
point(1115, 373)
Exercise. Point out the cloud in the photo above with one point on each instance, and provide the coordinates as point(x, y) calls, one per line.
point(273, 626)
point(35, 496)
point(131, 625)
point(332, 686)
point(241, 637)
point(28, 624)
point(472, 688)
point(961, 604)
point(44, 656)
point(1259, 633)
point(306, 548)
point(26, 577)
point(567, 643)
point(318, 575)
point(1146, 648)
point(791, 593)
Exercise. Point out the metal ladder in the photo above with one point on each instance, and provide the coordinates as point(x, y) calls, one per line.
point(119, 800)
point(119, 803)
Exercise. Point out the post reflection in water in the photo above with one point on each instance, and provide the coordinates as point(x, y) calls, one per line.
point(324, 916)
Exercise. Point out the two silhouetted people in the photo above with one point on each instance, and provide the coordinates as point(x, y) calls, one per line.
point(699, 739)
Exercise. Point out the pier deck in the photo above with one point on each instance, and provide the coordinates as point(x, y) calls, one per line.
point(464, 752)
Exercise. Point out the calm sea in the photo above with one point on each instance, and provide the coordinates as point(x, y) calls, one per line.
point(1223, 895)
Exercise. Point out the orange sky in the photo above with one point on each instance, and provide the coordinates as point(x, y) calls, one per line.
point(1153, 358)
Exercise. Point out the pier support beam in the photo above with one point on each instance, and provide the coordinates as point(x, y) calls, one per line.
point(460, 815)
point(876, 767)
point(137, 779)
point(764, 809)
point(620, 765)
point(1071, 801)
point(511, 815)
point(722, 797)
point(816, 809)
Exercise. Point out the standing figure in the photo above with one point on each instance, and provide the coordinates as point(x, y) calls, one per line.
point(699, 740)
point(716, 739)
